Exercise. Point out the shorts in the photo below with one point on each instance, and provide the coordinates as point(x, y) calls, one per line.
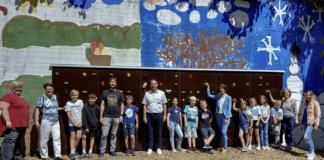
point(190, 132)
point(91, 133)
point(244, 128)
point(254, 126)
point(129, 129)
point(74, 128)
point(204, 132)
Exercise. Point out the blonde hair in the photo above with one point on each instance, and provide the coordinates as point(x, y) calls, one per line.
point(282, 92)
point(243, 103)
point(74, 92)
point(312, 98)
point(253, 99)
point(129, 97)
point(265, 100)
point(15, 84)
point(193, 98)
point(277, 101)
point(203, 101)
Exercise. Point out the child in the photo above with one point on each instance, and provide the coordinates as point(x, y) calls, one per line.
point(245, 123)
point(264, 125)
point(90, 119)
point(256, 114)
point(191, 123)
point(275, 121)
point(205, 118)
point(174, 122)
point(73, 110)
point(129, 124)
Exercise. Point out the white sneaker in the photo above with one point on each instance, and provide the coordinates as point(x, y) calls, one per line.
point(149, 151)
point(249, 147)
point(258, 148)
point(311, 156)
point(159, 151)
point(283, 144)
point(306, 155)
point(263, 148)
point(267, 147)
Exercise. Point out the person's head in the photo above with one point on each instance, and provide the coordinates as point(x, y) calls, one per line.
point(277, 103)
point(192, 100)
point(263, 100)
point(243, 105)
point(16, 87)
point(153, 84)
point(203, 105)
point(129, 100)
point(222, 89)
point(174, 101)
point(252, 102)
point(309, 97)
point(92, 98)
point(285, 93)
point(113, 82)
point(49, 89)
point(74, 95)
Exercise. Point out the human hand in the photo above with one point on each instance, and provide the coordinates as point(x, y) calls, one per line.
point(301, 127)
point(164, 118)
point(315, 128)
point(136, 126)
point(37, 124)
point(207, 85)
point(234, 100)
point(145, 120)
point(169, 128)
point(264, 122)
point(80, 124)
point(268, 91)
point(120, 119)
point(101, 120)
point(181, 127)
point(296, 122)
point(8, 124)
point(257, 124)
point(87, 130)
point(225, 121)
point(196, 126)
point(186, 125)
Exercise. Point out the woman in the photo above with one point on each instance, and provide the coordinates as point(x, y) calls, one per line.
point(290, 114)
point(14, 121)
point(311, 114)
point(48, 104)
point(223, 111)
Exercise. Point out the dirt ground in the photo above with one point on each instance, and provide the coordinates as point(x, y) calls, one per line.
point(232, 154)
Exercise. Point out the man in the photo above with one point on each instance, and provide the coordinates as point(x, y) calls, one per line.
point(154, 114)
point(111, 114)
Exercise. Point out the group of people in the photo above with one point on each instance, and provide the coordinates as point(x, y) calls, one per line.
point(84, 120)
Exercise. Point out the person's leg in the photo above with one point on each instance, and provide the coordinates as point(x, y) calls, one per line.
point(194, 135)
point(188, 136)
point(247, 136)
point(180, 135)
point(265, 134)
point(84, 142)
point(92, 140)
point(126, 133)
point(220, 123)
point(257, 136)
point(132, 137)
point(211, 136)
point(45, 130)
point(261, 128)
point(151, 131)
point(241, 137)
point(224, 132)
point(56, 138)
point(171, 133)
point(20, 139)
point(113, 134)
point(193, 140)
point(78, 138)
point(104, 134)
point(159, 121)
point(72, 141)
point(285, 129)
point(291, 131)
point(8, 145)
point(308, 137)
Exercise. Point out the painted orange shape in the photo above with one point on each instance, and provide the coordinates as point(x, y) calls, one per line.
point(159, 2)
point(101, 47)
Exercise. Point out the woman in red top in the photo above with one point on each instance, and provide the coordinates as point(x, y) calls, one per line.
point(14, 122)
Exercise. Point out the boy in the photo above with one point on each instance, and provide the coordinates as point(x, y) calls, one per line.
point(130, 117)
point(73, 110)
point(205, 118)
point(191, 123)
point(276, 115)
point(90, 119)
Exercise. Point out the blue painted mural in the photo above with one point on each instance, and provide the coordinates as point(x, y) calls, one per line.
point(238, 34)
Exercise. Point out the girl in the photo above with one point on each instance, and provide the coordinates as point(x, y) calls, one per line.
point(256, 116)
point(174, 123)
point(245, 123)
point(311, 114)
point(264, 125)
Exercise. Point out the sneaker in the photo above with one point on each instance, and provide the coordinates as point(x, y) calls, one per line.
point(113, 153)
point(283, 144)
point(72, 156)
point(267, 147)
point(149, 151)
point(263, 148)
point(205, 146)
point(311, 156)
point(101, 154)
point(189, 150)
point(132, 152)
point(83, 155)
point(127, 152)
point(77, 154)
point(306, 155)
point(249, 147)
point(90, 155)
point(210, 152)
point(159, 151)
point(195, 150)
point(209, 146)
point(244, 149)
point(58, 158)
point(258, 147)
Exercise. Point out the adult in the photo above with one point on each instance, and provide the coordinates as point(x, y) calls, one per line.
point(311, 115)
point(111, 114)
point(154, 114)
point(14, 121)
point(290, 116)
point(222, 110)
point(50, 124)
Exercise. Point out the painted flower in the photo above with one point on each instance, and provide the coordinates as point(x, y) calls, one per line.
point(33, 90)
point(7, 85)
point(101, 46)
point(93, 46)
point(22, 80)
point(321, 74)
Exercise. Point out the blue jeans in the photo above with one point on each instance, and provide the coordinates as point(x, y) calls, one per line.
point(308, 128)
point(223, 128)
point(154, 123)
point(288, 125)
point(264, 133)
point(175, 126)
point(11, 145)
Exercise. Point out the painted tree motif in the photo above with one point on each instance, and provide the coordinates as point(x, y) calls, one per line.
point(319, 10)
point(306, 27)
point(208, 50)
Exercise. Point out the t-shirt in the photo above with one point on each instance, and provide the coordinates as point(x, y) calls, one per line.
point(204, 117)
point(112, 103)
point(75, 109)
point(129, 117)
point(274, 112)
point(245, 117)
point(48, 106)
point(18, 112)
point(264, 110)
point(174, 114)
point(192, 113)
point(255, 112)
point(289, 108)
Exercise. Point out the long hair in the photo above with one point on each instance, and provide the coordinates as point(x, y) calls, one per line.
point(265, 100)
point(312, 100)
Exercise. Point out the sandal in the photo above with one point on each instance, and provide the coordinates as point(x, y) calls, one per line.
point(224, 151)
point(182, 150)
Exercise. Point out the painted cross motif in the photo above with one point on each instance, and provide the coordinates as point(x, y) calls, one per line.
point(319, 11)
point(269, 49)
point(307, 27)
point(280, 11)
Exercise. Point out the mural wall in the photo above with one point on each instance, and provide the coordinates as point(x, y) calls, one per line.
point(224, 34)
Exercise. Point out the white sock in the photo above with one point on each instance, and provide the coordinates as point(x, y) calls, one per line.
point(84, 151)
point(72, 151)
point(90, 150)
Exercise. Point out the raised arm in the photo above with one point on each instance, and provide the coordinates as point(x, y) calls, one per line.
point(234, 105)
point(270, 96)
point(208, 92)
